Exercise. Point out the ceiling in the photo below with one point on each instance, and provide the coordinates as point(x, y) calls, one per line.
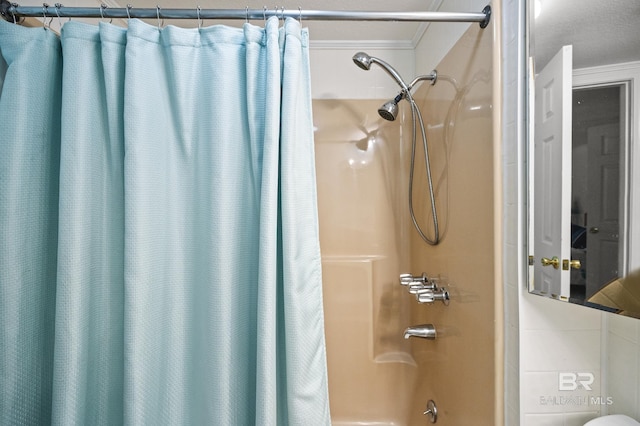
point(601, 32)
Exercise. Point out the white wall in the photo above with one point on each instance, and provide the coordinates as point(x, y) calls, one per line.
point(335, 76)
point(440, 37)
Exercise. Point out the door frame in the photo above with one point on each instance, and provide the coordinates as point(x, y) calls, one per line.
point(607, 75)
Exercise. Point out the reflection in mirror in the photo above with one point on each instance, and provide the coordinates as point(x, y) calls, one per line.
point(584, 182)
point(620, 296)
point(597, 188)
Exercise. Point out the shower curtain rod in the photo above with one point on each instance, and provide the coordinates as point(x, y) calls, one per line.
point(13, 11)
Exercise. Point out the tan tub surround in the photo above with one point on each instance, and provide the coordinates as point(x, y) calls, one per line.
point(376, 377)
point(364, 241)
point(457, 370)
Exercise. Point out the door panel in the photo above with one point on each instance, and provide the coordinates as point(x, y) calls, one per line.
point(552, 174)
point(603, 205)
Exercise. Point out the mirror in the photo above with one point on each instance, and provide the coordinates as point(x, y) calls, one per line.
point(584, 160)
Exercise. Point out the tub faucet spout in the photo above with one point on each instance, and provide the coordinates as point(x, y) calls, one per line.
point(425, 331)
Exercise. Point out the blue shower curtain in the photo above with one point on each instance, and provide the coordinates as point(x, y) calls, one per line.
point(159, 258)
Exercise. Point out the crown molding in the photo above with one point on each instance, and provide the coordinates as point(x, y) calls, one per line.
point(417, 36)
point(379, 44)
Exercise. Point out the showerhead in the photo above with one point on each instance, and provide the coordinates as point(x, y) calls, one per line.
point(389, 111)
point(364, 61)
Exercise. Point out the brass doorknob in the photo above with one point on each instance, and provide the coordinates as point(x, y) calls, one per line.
point(554, 261)
point(594, 230)
point(573, 263)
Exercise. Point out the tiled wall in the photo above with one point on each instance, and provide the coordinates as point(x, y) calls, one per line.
point(622, 365)
point(558, 338)
point(512, 129)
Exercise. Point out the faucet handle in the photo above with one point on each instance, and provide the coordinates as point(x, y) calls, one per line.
point(431, 296)
point(426, 297)
point(423, 281)
point(415, 288)
point(406, 279)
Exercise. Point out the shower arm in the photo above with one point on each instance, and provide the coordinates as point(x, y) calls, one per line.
point(405, 93)
point(432, 76)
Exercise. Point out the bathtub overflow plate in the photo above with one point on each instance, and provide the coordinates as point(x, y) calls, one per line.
point(431, 411)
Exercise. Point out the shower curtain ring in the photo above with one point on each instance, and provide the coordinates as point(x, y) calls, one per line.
point(282, 14)
point(129, 6)
point(16, 19)
point(45, 10)
point(246, 14)
point(198, 9)
point(44, 16)
point(264, 13)
point(300, 14)
point(58, 6)
point(104, 7)
point(160, 24)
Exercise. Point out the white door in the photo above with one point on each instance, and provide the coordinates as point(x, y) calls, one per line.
point(552, 175)
point(603, 205)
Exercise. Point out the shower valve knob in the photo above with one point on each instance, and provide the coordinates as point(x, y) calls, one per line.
point(414, 288)
point(433, 295)
point(406, 279)
point(422, 280)
point(417, 288)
